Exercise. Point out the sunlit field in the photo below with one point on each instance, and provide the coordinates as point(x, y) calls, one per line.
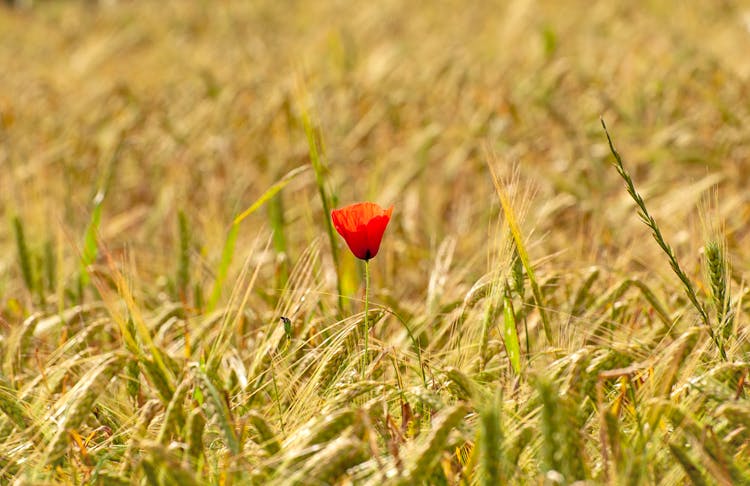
point(553, 302)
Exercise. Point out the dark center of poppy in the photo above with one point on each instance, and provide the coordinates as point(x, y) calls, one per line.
point(368, 255)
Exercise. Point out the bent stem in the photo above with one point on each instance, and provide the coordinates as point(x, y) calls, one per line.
point(367, 314)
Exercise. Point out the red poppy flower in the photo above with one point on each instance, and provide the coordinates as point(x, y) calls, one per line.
point(362, 225)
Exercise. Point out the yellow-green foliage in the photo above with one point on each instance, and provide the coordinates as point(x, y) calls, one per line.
point(175, 307)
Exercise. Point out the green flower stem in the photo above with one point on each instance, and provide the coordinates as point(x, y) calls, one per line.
point(367, 315)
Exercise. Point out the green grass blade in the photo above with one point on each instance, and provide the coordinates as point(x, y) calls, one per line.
point(24, 258)
point(227, 254)
point(183, 263)
point(271, 192)
point(510, 335)
point(276, 219)
point(90, 246)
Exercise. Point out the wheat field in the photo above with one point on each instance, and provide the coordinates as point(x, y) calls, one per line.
point(554, 302)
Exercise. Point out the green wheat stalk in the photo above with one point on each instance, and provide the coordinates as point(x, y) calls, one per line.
point(24, 257)
point(183, 262)
point(649, 221)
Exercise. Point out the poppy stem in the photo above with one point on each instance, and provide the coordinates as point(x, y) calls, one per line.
point(367, 315)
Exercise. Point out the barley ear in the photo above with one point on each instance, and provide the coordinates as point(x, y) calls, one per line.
point(327, 428)
point(491, 445)
point(332, 463)
point(462, 386)
point(174, 418)
point(219, 408)
point(147, 414)
point(716, 266)
point(427, 453)
point(691, 469)
point(171, 470)
point(11, 405)
point(196, 423)
point(110, 479)
point(82, 397)
point(562, 445)
point(264, 436)
point(24, 256)
point(157, 378)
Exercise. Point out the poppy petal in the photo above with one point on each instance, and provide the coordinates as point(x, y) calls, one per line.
point(362, 226)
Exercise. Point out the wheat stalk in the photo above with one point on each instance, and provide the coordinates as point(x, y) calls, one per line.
point(649, 221)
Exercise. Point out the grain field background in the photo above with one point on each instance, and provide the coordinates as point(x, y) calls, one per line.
point(546, 307)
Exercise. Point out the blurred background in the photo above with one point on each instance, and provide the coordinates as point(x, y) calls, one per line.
point(196, 106)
